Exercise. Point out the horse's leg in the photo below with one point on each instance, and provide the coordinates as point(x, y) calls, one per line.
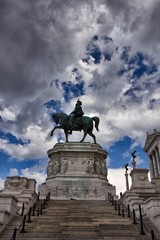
point(66, 134)
point(85, 133)
point(93, 136)
point(54, 129)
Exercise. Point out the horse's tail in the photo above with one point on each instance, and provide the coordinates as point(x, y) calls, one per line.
point(96, 119)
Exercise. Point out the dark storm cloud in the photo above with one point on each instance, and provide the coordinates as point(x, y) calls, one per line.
point(35, 42)
point(151, 34)
point(22, 50)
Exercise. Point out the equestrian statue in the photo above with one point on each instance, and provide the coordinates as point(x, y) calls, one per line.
point(75, 122)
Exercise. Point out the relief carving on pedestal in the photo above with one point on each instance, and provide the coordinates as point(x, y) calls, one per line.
point(15, 183)
point(98, 167)
point(76, 191)
point(104, 169)
point(50, 169)
point(64, 166)
point(90, 168)
point(53, 168)
point(60, 191)
point(142, 177)
point(56, 167)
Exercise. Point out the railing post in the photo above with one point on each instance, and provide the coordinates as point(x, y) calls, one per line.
point(123, 213)
point(141, 221)
point(119, 210)
point(41, 208)
point(34, 208)
point(14, 234)
point(38, 196)
point(115, 204)
point(46, 200)
point(129, 212)
point(108, 196)
point(112, 202)
point(29, 215)
point(22, 210)
point(23, 225)
point(49, 196)
point(134, 217)
point(38, 212)
point(152, 235)
point(44, 204)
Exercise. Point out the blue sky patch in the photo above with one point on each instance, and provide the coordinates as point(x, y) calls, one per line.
point(53, 104)
point(141, 63)
point(118, 150)
point(11, 138)
point(94, 51)
point(72, 90)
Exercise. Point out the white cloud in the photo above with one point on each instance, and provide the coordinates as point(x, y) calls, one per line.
point(13, 172)
point(36, 138)
point(40, 177)
point(116, 177)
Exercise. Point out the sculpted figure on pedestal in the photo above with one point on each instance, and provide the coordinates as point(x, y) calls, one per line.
point(56, 167)
point(91, 166)
point(50, 169)
point(75, 122)
point(98, 167)
point(104, 169)
point(133, 159)
point(64, 166)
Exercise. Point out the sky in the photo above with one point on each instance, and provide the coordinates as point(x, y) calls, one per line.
point(104, 52)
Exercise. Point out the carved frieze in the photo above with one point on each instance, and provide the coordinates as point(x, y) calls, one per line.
point(53, 168)
point(15, 183)
point(76, 191)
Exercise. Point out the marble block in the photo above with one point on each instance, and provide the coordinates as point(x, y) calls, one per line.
point(78, 171)
point(140, 181)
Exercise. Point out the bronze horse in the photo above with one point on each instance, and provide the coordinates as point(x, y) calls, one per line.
point(64, 123)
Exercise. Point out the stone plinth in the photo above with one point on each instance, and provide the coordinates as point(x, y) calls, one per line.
point(78, 171)
point(23, 189)
point(140, 182)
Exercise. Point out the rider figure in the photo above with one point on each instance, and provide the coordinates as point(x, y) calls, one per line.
point(76, 114)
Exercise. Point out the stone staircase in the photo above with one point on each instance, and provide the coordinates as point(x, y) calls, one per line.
point(77, 220)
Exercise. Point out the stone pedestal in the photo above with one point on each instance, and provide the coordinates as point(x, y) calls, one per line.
point(140, 181)
point(78, 171)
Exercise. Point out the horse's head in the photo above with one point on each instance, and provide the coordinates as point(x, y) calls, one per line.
point(55, 118)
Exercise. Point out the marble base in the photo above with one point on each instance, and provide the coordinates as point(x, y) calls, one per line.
point(77, 171)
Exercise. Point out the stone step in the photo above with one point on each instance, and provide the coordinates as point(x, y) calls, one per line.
point(76, 220)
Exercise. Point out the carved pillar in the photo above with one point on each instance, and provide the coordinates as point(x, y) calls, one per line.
point(127, 183)
point(155, 164)
point(151, 167)
point(157, 160)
